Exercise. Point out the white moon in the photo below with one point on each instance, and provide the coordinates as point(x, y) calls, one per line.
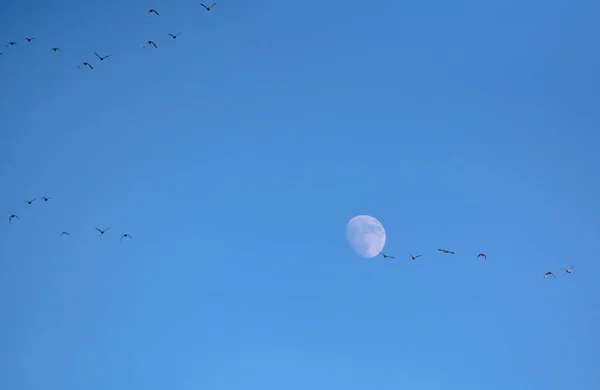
point(366, 235)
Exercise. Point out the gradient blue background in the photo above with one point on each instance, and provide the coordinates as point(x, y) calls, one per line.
point(236, 154)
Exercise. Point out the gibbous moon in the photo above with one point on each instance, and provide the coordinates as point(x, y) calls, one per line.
point(366, 235)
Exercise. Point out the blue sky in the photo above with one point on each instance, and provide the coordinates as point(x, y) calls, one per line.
point(236, 154)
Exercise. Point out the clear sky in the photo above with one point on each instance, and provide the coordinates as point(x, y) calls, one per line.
point(235, 155)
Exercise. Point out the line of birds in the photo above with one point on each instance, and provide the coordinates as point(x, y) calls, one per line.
point(102, 58)
point(446, 251)
point(46, 198)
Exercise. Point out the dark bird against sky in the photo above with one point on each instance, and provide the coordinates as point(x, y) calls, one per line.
point(11, 217)
point(151, 43)
point(11, 43)
point(64, 234)
point(102, 58)
point(85, 64)
point(208, 8)
point(385, 256)
point(153, 11)
point(414, 257)
point(173, 36)
point(446, 251)
point(126, 235)
point(55, 49)
point(46, 198)
point(102, 231)
point(482, 255)
point(568, 270)
point(29, 201)
point(548, 274)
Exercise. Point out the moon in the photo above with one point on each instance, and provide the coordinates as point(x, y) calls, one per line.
point(366, 235)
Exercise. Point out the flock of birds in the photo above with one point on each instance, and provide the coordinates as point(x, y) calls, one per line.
point(446, 251)
point(174, 36)
point(46, 199)
point(102, 58)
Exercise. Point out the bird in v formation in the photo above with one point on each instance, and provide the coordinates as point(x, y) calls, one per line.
point(385, 256)
point(102, 58)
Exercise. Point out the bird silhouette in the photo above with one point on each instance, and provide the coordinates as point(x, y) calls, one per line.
point(102, 231)
point(11, 217)
point(385, 256)
point(208, 8)
point(414, 257)
point(54, 49)
point(153, 11)
point(29, 201)
point(11, 43)
point(46, 198)
point(29, 39)
point(568, 270)
point(151, 43)
point(548, 274)
point(102, 58)
point(64, 234)
point(446, 251)
point(86, 64)
point(173, 36)
point(482, 255)
point(126, 235)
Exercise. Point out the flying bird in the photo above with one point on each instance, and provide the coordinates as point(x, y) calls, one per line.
point(208, 8)
point(568, 270)
point(102, 231)
point(151, 43)
point(548, 274)
point(11, 217)
point(414, 257)
point(385, 256)
point(126, 235)
point(173, 36)
point(29, 201)
point(153, 11)
point(46, 198)
point(55, 49)
point(482, 255)
point(85, 64)
point(11, 43)
point(29, 39)
point(64, 234)
point(446, 251)
point(102, 58)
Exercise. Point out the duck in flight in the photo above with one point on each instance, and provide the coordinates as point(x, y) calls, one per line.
point(173, 36)
point(85, 64)
point(153, 11)
point(548, 274)
point(102, 231)
point(46, 198)
point(102, 58)
point(64, 234)
point(54, 49)
point(11, 43)
point(208, 8)
point(151, 43)
point(446, 251)
point(11, 217)
point(29, 201)
point(385, 256)
point(482, 255)
point(414, 257)
point(126, 235)
point(568, 270)
point(29, 39)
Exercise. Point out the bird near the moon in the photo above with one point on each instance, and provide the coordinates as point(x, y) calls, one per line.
point(366, 235)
